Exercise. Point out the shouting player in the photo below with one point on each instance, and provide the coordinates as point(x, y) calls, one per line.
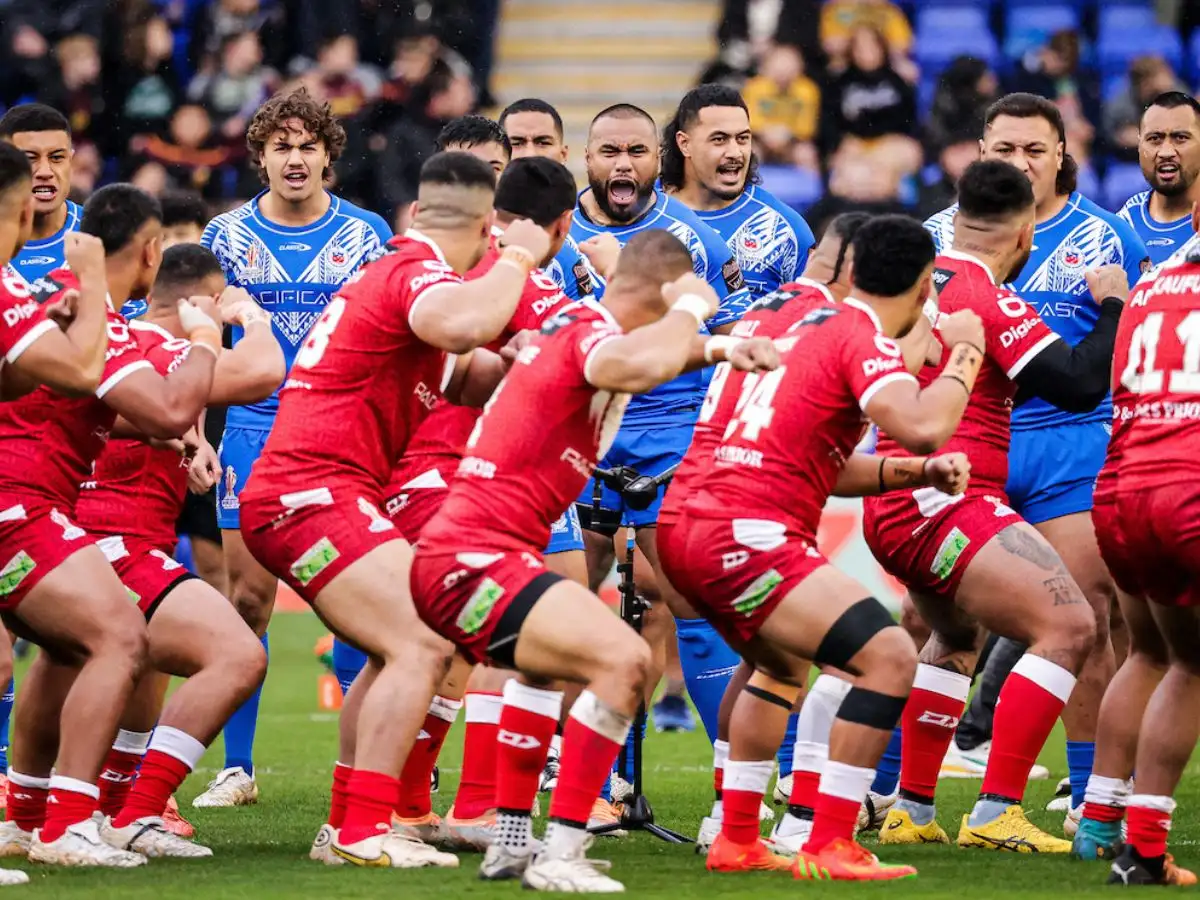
point(1169, 151)
point(366, 377)
point(970, 560)
point(1055, 455)
point(92, 657)
point(291, 247)
point(743, 551)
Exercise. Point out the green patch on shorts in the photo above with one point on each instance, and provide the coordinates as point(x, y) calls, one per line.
point(756, 595)
point(479, 607)
point(14, 572)
point(947, 555)
point(314, 561)
point(134, 596)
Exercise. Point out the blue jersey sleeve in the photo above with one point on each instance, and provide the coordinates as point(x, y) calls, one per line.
point(379, 226)
point(804, 240)
point(941, 226)
point(215, 239)
point(725, 277)
point(1134, 256)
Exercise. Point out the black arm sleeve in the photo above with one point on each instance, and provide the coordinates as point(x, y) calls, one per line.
point(1074, 379)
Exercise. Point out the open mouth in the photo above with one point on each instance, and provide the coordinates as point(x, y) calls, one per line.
point(296, 179)
point(730, 173)
point(45, 192)
point(1167, 171)
point(622, 192)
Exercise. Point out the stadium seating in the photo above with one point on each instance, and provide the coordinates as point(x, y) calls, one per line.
point(1121, 181)
point(1027, 27)
point(798, 188)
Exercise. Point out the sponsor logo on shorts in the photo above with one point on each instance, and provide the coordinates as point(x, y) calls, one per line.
point(378, 522)
point(229, 498)
point(134, 597)
point(479, 607)
point(314, 561)
point(71, 531)
point(756, 595)
point(14, 572)
point(947, 555)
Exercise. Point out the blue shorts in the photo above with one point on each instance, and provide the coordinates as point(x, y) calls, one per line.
point(240, 447)
point(1052, 470)
point(347, 663)
point(649, 450)
point(566, 534)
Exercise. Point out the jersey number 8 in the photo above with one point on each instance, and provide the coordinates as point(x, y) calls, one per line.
point(317, 342)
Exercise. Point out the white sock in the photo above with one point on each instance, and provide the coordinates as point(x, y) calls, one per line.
point(564, 841)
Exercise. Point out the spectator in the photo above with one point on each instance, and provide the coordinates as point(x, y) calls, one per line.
point(1149, 76)
point(784, 108)
point(958, 150)
point(872, 108)
point(75, 87)
point(223, 19)
point(841, 19)
point(963, 94)
point(191, 157)
point(857, 183)
point(340, 80)
point(238, 87)
point(143, 89)
point(796, 25)
point(1053, 71)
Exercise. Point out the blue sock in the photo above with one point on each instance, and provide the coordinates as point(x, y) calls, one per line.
point(708, 664)
point(784, 756)
point(239, 730)
point(1080, 757)
point(6, 706)
point(627, 774)
point(183, 554)
point(887, 773)
point(347, 663)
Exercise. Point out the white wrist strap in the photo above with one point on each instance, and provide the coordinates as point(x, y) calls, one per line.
point(694, 305)
point(721, 342)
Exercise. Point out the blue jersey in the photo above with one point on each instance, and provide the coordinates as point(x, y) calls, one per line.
point(769, 239)
point(679, 400)
point(291, 272)
point(38, 258)
point(1082, 236)
point(1161, 238)
point(574, 273)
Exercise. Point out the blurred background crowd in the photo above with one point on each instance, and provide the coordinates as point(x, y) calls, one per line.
point(872, 104)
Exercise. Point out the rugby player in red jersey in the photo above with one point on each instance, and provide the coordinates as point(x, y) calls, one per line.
point(48, 445)
point(1149, 544)
point(368, 374)
point(478, 575)
point(970, 560)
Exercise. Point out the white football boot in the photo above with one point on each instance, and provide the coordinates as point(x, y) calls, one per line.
point(13, 840)
point(387, 849)
point(149, 837)
point(231, 787)
point(81, 845)
point(322, 847)
point(571, 873)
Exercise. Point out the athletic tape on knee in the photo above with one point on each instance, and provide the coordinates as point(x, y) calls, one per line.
point(863, 706)
point(444, 708)
point(766, 688)
point(590, 711)
point(134, 742)
point(851, 632)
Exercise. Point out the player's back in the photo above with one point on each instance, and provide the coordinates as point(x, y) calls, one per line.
point(38, 258)
point(362, 381)
point(769, 239)
point(781, 452)
point(137, 490)
point(1160, 238)
point(537, 442)
point(292, 272)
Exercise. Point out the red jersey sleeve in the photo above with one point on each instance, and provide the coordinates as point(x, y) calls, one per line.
point(21, 319)
point(124, 356)
point(592, 337)
point(418, 280)
point(872, 361)
point(1015, 332)
point(541, 299)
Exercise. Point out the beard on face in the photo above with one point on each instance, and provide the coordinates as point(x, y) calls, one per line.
point(630, 201)
point(1175, 187)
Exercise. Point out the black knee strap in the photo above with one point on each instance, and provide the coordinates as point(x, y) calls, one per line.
point(871, 708)
point(767, 697)
point(851, 631)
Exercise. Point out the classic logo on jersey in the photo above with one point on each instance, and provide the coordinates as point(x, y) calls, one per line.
point(36, 261)
point(948, 553)
point(314, 561)
point(766, 241)
point(15, 571)
point(295, 247)
point(475, 614)
point(695, 247)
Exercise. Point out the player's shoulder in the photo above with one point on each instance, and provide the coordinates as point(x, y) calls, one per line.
point(761, 196)
point(235, 216)
point(364, 218)
point(941, 226)
point(1134, 204)
point(1088, 211)
point(74, 215)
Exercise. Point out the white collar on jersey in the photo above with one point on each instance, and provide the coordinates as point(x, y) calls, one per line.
point(864, 308)
point(968, 258)
point(497, 231)
point(108, 300)
point(816, 285)
point(415, 235)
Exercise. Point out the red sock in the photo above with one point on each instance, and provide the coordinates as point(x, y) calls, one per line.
point(527, 726)
point(806, 787)
point(1100, 812)
point(930, 716)
point(592, 738)
point(70, 801)
point(27, 800)
point(843, 788)
point(477, 786)
point(808, 762)
point(337, 799)
point(160, 776)
point(416, 800)
point(1149, 821)
point(719, 783)
point(1029, 704)
point(720, 758)
point(116, 779)
point(745, 784)
point(370, 799)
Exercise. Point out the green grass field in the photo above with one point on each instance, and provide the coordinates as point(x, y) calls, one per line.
point(261, 851)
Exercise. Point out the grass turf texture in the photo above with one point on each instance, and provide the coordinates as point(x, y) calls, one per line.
point(261, 851)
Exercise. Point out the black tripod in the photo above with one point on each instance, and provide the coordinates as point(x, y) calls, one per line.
point(638, 492)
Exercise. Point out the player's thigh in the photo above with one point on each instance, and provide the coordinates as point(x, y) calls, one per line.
point(194, 627)
point(912, 620)
point(570, 564)
point(1145, 638)
point(209, 558)
point(247, 577)
point(570, 634)
point(1180, 628)
point(1074, 538)
point(647, 545)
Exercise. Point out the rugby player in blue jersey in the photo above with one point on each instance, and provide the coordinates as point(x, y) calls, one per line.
point(291, 247)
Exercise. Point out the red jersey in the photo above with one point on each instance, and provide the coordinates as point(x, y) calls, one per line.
point(48, 442)
point(136, 490)
point(1014, 334)
point(438, 443)
point(1156, 382)
point(362, 381)
point(793, 428)
point(770, 317)
point(536, 444)
point(21, 319)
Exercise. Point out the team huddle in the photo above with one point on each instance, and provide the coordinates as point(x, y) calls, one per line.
point(413, 432)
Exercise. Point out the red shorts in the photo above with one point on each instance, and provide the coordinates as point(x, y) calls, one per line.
point(411, 508)
point(478, 600)
point(148, 572)
point(929, 548)
point(308, 538)
point(1150, 541)
point(35, 539)
point(735, 572)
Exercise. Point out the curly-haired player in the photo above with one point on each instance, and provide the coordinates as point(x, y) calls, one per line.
point(291, 247)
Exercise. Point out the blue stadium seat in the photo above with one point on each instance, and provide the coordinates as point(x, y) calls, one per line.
point(933, 56)
point(978, 4)
point(1089, 182)
point(934, 21)
point(1121, 181)
point(1193, 72)
point(1114, 19)
point(1028, 27)
point(1115, 51)
point(798, 188)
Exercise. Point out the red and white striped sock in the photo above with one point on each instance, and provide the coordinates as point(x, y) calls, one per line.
point(930, 716)
point(477, 787)
point(120, 767)
point(843, 788)
point(745, 784)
